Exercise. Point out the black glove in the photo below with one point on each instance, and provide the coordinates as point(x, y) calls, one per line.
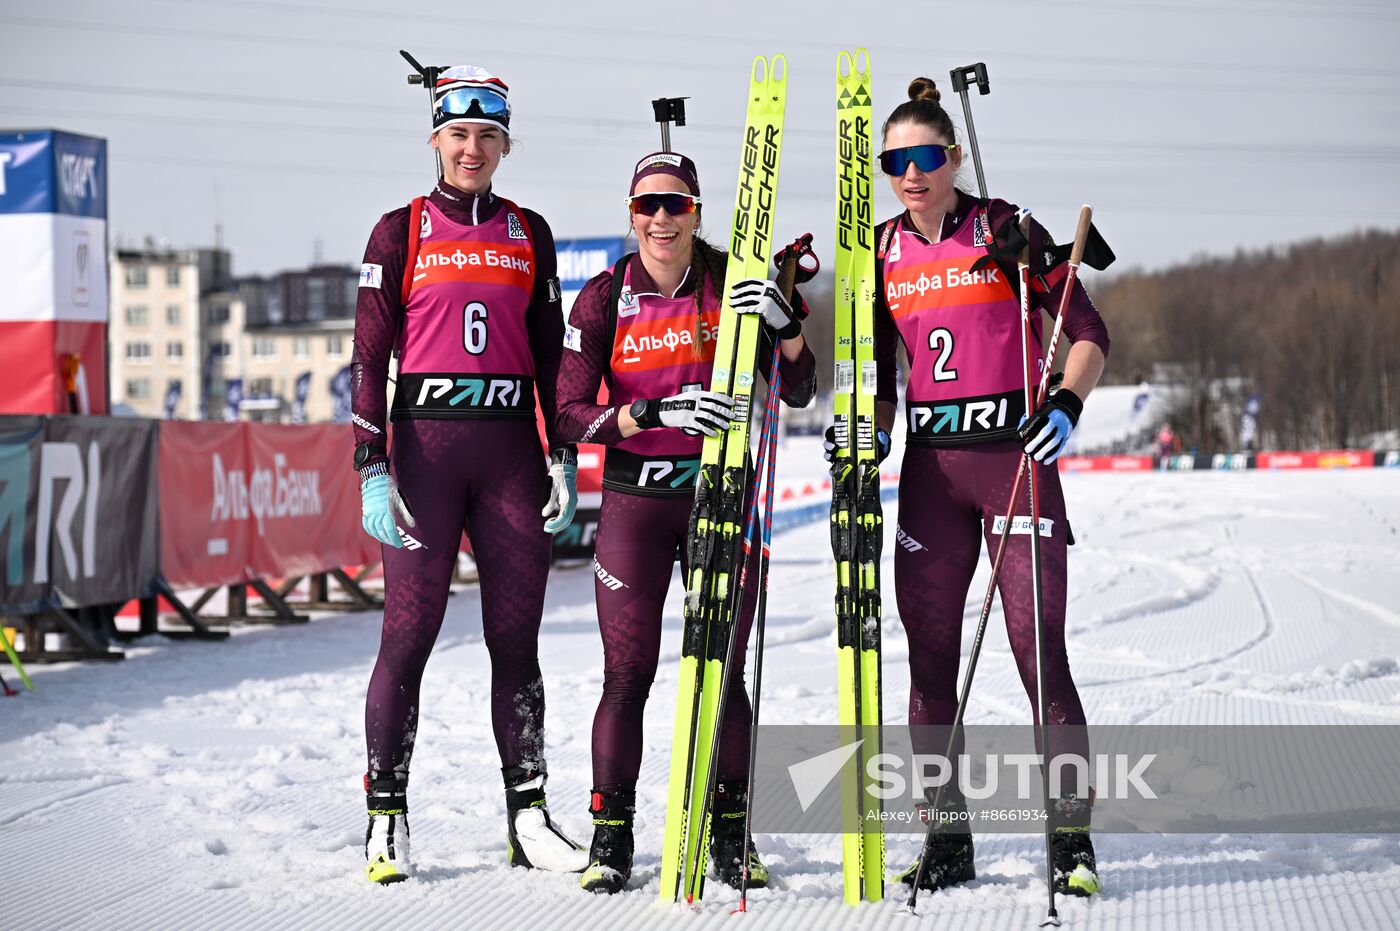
point(882, 445)
point(1045, 434)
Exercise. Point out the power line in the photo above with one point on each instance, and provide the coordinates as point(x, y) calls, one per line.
point(922, 51)
point(1077, 150)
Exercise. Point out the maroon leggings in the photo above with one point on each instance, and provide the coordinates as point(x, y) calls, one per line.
point(491, 476)
point(636, 546)
point(949, 499)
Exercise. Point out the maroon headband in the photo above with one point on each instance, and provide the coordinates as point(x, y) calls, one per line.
point(667, 163)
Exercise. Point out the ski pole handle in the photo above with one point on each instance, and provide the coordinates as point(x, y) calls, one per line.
point(796, 261)
point(1081, 236)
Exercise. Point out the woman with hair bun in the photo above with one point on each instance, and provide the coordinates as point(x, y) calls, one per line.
point(961, 330)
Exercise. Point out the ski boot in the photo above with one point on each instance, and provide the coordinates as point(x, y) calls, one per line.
point(610, 856)
point(729, 839)
point(1071, 850)
point(948, 862)
point(948, 854)
point(386, 838)
point(534, 842)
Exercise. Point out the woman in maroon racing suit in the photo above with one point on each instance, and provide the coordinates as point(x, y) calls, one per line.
point(478, 328)
point(650, 336)
point(965, 402)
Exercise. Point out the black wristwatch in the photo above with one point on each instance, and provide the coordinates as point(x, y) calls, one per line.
point(643, 411)
point(366, 451)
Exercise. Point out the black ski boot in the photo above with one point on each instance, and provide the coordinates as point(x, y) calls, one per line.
point(386, 838)
point(947, 855)
point(728, 822)
point(948, 862)
point(534, 841)
point(1071, 850)
point(610, 857)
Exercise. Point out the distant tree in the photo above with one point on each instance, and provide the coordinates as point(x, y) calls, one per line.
point(1313, 330)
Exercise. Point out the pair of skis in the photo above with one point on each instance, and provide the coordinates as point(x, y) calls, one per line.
point(856, 517)
point(716, 543)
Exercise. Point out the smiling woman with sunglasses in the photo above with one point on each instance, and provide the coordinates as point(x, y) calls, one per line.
point(461, 283)
point(964, 402)
point(647, 329)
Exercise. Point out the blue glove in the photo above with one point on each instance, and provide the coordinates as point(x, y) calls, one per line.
point(882, 445)
point(563, 490)
point(1044, 435)
point(381, 506)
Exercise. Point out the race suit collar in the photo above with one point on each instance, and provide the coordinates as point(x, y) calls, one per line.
point(464, 208)
point(951, 221)
point(642, 282)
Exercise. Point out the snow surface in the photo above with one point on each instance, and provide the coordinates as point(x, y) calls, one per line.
point(217, 785)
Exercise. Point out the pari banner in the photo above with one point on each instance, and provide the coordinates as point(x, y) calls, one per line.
point(53, 265)
point(77, 511)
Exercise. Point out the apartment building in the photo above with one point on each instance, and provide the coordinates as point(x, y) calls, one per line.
point(280, 356)
point(154, 330)
point(182, 332)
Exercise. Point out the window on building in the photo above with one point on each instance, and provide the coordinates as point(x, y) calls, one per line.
point(137, 315)
point(172, 314)
point(221, 349)
point(172, 275)
point(260, 388)
point(136, 276)
point(264, 347)
point(301, 347)
point(334, 346)
point(138, 387)
point(217, 313)
point(175, 349)
point(138, 352)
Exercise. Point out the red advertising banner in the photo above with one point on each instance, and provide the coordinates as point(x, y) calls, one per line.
point(1107, 463)
point(203, 503)
point(1317, 459)
point(241, 501)
point(304, 500)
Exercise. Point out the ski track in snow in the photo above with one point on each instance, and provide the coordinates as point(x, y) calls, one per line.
point(217, 785)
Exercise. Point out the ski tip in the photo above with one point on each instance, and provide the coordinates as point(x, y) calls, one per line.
point(845, 64)
point(777, 70)
point(862, 61)
point(759, 73)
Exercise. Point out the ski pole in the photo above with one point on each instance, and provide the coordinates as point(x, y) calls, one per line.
point(1037, 588)
point(787, 277)
point(768, 449)
point(14, 661)
point(770, 453)
point(1076, 255)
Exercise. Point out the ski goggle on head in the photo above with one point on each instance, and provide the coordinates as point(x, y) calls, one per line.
point(474, 101)
point(677, 205)
point(926, 158)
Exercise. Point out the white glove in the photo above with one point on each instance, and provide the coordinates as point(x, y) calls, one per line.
point(707, 412)
point(382, 507)
point(761, 296)
point(563, 490)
